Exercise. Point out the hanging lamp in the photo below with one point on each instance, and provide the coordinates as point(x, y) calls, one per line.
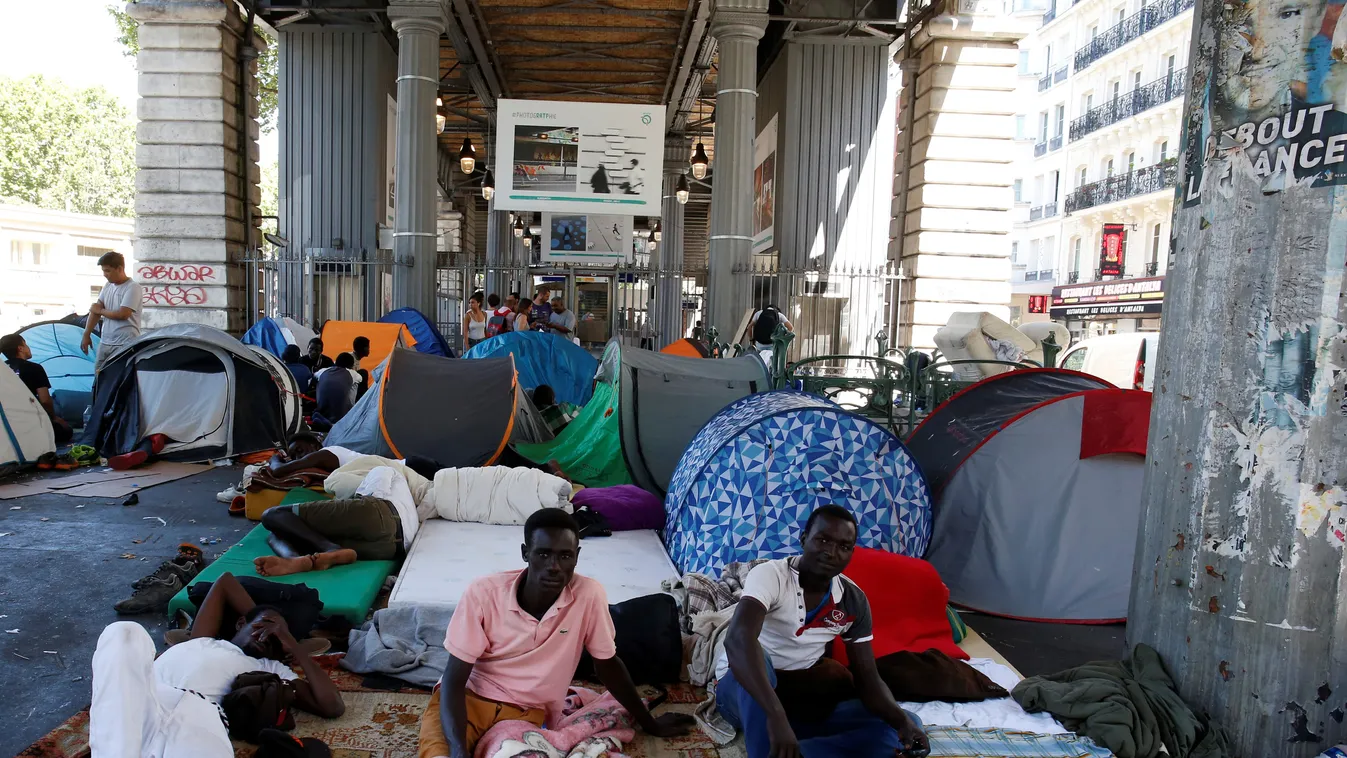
point(656, 233)
point(519, 226)
point(683, 189)
point(699, 161)
point(467, 156)
point(488, 186)
point(439, 117)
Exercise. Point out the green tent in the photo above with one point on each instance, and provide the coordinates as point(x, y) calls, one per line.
point(589, 449)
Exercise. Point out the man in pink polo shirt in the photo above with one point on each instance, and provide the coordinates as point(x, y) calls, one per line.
point(514, 642)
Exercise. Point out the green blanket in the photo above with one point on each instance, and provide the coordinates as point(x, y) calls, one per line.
point(589, 449)
point(1129, 707)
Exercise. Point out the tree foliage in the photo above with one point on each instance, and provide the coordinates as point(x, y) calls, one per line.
point(66, 148)
point(268, 66)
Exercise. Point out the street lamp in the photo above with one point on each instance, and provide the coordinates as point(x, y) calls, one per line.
point(488, 186)
point(699, 161)
point(682, 192)
point(467, 156)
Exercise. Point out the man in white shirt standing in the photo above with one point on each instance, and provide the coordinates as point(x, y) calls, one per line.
point(118, 308)
point(791, 611)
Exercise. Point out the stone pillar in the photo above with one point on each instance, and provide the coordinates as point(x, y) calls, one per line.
point(418, 24)
point(196, 162)
point(956, 215)
point(737, 27)
point(668, 258)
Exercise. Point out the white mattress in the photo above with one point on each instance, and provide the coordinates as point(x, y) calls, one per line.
point(447, 555)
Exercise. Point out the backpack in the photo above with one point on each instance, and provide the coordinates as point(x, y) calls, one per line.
point(763, 328)
point(499, 323)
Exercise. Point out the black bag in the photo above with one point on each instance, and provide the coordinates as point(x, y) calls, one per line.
point(592, 523)
point(298, 603)
point(649, 641)
point(765, 325)
point(258, 700)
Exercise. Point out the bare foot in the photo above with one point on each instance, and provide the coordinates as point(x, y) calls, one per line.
point(274, 565)
point(324, 561)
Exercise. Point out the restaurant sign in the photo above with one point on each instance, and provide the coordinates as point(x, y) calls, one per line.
point(1120, 298)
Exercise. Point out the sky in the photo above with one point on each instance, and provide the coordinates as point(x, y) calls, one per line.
point(74, 40)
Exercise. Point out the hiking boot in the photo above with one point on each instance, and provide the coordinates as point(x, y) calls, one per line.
point(151, 593)
point(185, 566)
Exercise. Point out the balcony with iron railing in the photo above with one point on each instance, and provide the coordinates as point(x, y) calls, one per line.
point(1125, 106)
point(1051, 78)
point(1060, 74)
point(1040, 212)
point(1143, 181)
point(1055, 143)
point(1045, 82)
point(1072, 277)
point(1130, 28)
point(1153, 268)
point(1041, 149)
point(1049, 16)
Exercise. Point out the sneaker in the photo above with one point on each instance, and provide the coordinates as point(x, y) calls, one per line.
point(227, 496)
point(185, 566)
point(151, 593)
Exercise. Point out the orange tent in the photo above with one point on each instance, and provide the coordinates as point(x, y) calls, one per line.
point(688, 348)
point(338, 336)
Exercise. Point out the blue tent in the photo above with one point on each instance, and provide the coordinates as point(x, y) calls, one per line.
point(428, 337)
point(755, 472)
point(543, 358)
point(56, 346)
point(269, 335)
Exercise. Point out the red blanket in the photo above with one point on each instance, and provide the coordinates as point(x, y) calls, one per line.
point(907, 602)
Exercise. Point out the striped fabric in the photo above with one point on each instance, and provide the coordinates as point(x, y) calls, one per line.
point(960, 742)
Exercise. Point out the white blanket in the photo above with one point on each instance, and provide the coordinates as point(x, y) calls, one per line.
point(497, 494)
point(999, 713)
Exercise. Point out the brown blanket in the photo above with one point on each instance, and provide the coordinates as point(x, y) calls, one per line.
point(265, 479)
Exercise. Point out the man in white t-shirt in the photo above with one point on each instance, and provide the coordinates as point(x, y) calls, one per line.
point(169, 707)
point(791, 611)
point(118, 308)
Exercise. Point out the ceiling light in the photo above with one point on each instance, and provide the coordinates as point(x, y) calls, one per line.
point(439, 117)
point(519, 226)
point(488, 186)
point(657, 234)
point(467, 156)
point(683, 189)
point(699, 161)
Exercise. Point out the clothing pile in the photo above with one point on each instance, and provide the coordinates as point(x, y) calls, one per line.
point(593, 726)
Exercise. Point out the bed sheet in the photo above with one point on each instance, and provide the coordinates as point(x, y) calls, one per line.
point(999, 713)
point(447, 555)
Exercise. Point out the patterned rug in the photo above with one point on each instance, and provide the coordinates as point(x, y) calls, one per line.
point(382, 721)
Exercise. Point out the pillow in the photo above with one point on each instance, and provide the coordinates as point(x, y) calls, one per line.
point(626, 506)
point(907, 604)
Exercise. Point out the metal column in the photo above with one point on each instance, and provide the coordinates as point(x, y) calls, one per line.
point(738, 26)
point(668, 258)
point(418, 26)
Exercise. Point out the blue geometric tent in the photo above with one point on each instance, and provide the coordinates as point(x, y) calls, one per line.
point(428, 337)
point(753, 474)
point(56, 346)
point(543, 358)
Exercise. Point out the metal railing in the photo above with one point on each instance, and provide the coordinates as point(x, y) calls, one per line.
point(1038, 276)
point(1152, 268)
point(1047, 210)
point(1125, 106)
point(1049, 16)
point(317, 284)
point(1045, 82)
point(1060, 74)
point(1128, 29)
point(1031, 276)
point(1055, 143)
point(1046, 276)
point(1154, 178)
point(1072, 277)
point(1040, 149)
point(1053, 77)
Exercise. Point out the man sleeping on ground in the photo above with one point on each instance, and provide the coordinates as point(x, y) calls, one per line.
point(515, 639)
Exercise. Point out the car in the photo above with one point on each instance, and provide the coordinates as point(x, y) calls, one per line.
point(1126, 360)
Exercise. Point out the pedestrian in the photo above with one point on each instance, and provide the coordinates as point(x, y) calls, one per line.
point(501, 316)
point(540, 313)
point(562, 321)
point(19, 358)
point(117, 308)
point(763, 325)
point(315, 359)
point(521, 312)
point(474, 322)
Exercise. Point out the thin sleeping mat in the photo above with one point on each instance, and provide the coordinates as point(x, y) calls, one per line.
point(447, 555)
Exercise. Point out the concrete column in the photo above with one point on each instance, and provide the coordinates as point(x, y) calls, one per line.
point(668, 257)
point(500, 252)
point(737, 27)
point(1240, 580)
point(958, 115)
point(196, 162)
point(418, 24)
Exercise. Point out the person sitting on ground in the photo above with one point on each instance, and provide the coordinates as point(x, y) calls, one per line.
point(557, 415)
point(20, 358)
point(561, 321)
point(302, 373)
point(360, 349)
point(376, 525)
point(315, 359)
point(791, 611)
point(514, 642)
point(338, 387)
point(169, 707)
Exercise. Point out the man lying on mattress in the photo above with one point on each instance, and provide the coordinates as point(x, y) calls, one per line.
point(790, 612)
point(515, 639)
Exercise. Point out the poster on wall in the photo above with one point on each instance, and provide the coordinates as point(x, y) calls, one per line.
point(579, 157)
point(1268, 98)
point(764, 187)
point(390, 161)
point(596, 238)
point(1111, 250)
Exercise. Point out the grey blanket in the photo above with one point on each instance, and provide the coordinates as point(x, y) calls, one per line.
point(406, 642)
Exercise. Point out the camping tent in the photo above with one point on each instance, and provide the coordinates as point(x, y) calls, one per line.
point(275, 334)
point(56, 347)
point(750, 479)
point(957, 426)
point(25, 430)
point(688, 348)
point(1040, 521)
point(547, 359)
point(210, 394)
point(654, 405)
point(383, 338)
point(458, 413)
point(425, 334)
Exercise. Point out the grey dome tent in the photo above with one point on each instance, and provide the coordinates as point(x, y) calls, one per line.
point(455, 412)
point(210, 394)
point(1039, 520)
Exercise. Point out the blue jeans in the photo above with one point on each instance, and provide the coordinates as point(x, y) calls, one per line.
point(851, 731)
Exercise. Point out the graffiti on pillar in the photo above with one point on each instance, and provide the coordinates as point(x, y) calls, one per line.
point(173, 295)
point(1268, 98)
point(178, 272)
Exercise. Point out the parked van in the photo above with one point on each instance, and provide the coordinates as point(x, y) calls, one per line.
point(1126, 360)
